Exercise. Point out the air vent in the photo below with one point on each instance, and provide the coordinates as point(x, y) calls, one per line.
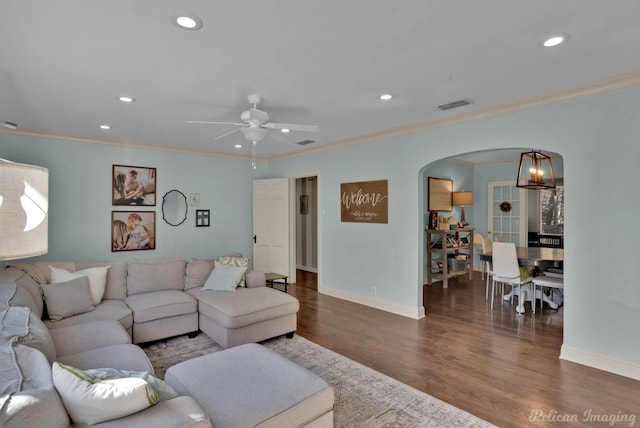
point(305, 142)
point(455, 104)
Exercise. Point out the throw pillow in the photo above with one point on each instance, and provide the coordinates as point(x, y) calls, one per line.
point(235, 261)
point(91, 400)
point(68, 298)
point(224, 278)
point(97, 279)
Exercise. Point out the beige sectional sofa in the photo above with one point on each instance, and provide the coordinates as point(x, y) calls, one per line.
point(143, 300)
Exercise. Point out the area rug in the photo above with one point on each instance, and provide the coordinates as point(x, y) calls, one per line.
point(363, 397)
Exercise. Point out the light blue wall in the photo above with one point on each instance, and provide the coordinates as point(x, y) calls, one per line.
point(80, 198)
point(597, 138)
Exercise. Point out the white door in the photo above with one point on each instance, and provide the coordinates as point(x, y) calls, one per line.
point(271, 225)
point(507, 215)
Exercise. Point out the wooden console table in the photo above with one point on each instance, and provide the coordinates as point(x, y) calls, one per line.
point(438, 249)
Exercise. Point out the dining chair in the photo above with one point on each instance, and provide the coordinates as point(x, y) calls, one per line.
point(483, 244)
point(543, 282)
point(507, 271)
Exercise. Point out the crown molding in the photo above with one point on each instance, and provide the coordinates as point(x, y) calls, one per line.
point(564, 95)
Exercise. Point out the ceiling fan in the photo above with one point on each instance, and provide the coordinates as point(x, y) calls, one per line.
point(255, 124)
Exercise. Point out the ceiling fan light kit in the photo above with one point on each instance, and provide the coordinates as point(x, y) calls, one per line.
point(254, 125)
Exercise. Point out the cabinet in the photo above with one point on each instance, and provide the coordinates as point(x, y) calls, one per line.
point(438, 249)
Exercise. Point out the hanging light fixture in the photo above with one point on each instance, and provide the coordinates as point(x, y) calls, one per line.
point(535, 171)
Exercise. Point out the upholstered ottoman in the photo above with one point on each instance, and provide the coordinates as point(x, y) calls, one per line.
point(250, 385)
point(246, 315)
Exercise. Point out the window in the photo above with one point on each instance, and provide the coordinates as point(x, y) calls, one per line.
point(552, 210)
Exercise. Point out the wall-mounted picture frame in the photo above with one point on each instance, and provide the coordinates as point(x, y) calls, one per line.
point(194, 199)
point(203, 218)
point(304, 204)
point(133, 230)
point(440, 191)
point(133, 185)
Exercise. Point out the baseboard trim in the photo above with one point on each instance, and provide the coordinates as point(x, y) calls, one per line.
point(600, 362)
point(373, 302)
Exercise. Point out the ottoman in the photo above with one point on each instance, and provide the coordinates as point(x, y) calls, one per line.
point(250, 385)
point(247, 315)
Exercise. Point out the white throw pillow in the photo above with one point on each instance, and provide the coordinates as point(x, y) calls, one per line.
point(224, 278)
point(235, 261)
point(97, 279)
point(91, 400)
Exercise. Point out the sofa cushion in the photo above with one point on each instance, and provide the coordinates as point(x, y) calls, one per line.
point(161, 304)
point(224, 278)
point(38, 337)
point(27, 395)
point(97, 279)
point(90, 400)
point(107, 310)
point(92, 335)
point(197, 272)
point(124, 356)
point(244, 307)
point(235, 261)
point(144, 276)
point(116, 284)
point(66, 299)
point(23, 298)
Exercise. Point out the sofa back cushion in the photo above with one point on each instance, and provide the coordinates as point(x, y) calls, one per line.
point(27, 388)
point(144, 276)
point(198, 270)
point(116, 287)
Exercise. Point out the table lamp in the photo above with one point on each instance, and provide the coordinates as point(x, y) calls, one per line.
point(461, 199)
point(24, 193)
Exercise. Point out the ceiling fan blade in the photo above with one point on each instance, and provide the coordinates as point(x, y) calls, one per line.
point(216, 123)
point(292, 127)
point(226, 133)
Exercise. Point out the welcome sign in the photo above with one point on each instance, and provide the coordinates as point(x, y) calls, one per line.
point(364, 202)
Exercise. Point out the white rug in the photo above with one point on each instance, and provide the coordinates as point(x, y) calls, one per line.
point(363, 396)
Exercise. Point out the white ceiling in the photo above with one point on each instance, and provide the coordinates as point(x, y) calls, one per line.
point(64, 63)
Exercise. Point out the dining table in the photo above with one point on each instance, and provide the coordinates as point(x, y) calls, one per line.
point(540, 258)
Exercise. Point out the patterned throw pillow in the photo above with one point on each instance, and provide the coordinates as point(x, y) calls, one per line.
point(237, 262)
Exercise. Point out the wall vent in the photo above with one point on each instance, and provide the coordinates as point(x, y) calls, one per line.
point(305, 142)
point(454, 104)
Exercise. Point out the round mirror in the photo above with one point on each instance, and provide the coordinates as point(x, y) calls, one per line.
point(174, 207)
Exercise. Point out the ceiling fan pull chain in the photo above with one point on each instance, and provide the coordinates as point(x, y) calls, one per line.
point(253, 154)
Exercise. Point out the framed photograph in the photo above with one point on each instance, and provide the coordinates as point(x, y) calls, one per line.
point(464, 240)
point(203, 218)
point(133, 185)
point(133, 230)
point(440, 194)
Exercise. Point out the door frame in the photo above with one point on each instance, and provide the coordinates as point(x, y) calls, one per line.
point(293, 205)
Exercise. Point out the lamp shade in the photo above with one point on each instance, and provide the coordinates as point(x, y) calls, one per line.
point(24, 200)
point(463, 198)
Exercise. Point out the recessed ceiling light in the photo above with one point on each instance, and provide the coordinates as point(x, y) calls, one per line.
point(553, 41)
point(105, 127)
point(188, 22)
point(126, 99)
point(285, 130)
point(385, 97)
point(238, 146)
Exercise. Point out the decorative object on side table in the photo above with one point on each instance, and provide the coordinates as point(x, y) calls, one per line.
point(203, 218)
point(461, 199)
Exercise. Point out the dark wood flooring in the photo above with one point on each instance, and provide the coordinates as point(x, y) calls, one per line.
point(497, 365)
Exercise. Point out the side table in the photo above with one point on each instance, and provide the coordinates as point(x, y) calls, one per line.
point(272, 277)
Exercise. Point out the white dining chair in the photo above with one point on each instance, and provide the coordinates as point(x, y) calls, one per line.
point(543, 282)
point(483, 244)
point(507, 271)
